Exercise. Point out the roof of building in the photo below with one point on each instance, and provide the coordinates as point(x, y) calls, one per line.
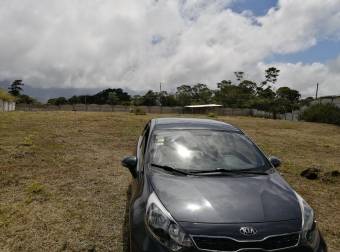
point(203, 106)
point(192, 123)
point(329, 97)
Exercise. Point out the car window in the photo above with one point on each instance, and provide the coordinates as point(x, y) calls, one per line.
point(143, 146)
point(205, 150)
point(145, 138)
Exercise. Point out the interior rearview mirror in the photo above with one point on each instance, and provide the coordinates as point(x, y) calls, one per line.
point(130, 162)
point(276, 162)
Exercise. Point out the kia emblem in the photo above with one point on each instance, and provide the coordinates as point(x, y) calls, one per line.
point(248, 231)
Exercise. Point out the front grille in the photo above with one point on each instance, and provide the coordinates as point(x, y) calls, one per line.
point(228, 244)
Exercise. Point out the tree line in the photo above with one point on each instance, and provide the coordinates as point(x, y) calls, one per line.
point(240, 93)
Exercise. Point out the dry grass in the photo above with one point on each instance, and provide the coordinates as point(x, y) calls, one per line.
point(62, 187)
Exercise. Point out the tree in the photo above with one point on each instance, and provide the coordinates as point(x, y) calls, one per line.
point(266, 93)
point(57, 101)
point(112, 98)
point(60, 101)
point(16, 88)
point(184, 95)
point(246, 93)
point(306, 102)
point(137, 100)
point(239, 76)
point(289, 94)
point(224, 84)
point(241, 94)
point(74, 100)
point(166, 99)
point(103, 97)
point(150, 98)
point(25, 99)
point(201, 94)
point(266, 97)
point(248, 87)
point(288, 99)
point(236, 95)
point(271, 75)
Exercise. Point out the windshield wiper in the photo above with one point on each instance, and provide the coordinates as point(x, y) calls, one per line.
point(170, 169)
point(226, 171)
point(252, 172)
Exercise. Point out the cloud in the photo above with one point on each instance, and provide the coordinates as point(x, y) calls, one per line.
point(138, 43)
point(305, 77)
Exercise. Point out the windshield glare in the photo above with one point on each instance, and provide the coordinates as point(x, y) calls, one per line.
point(205, 150)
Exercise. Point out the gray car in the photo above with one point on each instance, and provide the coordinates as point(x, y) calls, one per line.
point(203, 185)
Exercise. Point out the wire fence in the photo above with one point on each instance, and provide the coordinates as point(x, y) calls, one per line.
point(221, 111)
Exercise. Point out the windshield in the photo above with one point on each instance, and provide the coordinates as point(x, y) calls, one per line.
point(205, 150)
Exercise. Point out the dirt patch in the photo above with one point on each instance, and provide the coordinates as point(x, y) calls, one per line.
point(311, 173)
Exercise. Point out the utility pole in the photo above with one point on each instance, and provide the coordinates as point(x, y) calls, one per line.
point(160, 95)
point(317, 91)
point(85, 103)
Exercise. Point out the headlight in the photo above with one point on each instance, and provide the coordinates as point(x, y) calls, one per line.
point(309, 232)
point(163, 227)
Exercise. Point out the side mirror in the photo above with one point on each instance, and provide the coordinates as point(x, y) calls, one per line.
point(276, 162)
point(130, 162)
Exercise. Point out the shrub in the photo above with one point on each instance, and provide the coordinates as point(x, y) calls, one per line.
point(139, 111)
point(28, 140)
point(6, 96)
point(323, 113)
point(212, 115)
point(35, 188)
point(36, 192)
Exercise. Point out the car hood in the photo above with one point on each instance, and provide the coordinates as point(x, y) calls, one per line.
point(226, 199)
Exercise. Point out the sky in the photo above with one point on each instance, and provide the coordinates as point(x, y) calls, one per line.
point(136, 44)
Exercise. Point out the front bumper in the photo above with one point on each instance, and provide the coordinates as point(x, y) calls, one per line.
point(146, 243)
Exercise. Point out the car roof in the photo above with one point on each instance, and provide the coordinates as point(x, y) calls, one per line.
point(191, 123)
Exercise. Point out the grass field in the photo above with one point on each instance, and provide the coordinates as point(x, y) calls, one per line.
point(62, 187)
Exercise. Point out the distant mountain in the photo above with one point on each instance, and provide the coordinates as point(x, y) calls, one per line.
point(43, 94)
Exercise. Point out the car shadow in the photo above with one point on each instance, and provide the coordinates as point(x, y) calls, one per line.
point(125, 226)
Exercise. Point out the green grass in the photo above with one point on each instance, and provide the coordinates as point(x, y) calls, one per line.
point(62, 187)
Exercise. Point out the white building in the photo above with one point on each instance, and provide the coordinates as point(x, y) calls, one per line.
point(6, 106)
point(334, 99)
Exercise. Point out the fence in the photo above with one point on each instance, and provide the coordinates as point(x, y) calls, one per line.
point(120, 108)
point(293, 116)
point(6, 106)
point(156, 110)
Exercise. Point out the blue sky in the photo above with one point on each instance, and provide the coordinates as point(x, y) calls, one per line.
point(322, 52)
point(258, 7)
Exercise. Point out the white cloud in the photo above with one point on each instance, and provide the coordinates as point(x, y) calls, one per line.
point(305, 77)
point(138, 43)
